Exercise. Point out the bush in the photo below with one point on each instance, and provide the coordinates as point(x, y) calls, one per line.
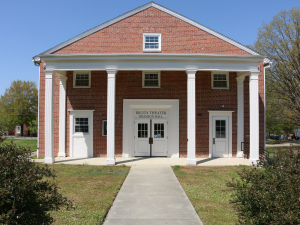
point(270, 192)
point(27, 190)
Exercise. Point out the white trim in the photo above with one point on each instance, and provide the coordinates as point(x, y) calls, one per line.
point(254, 117)
point(87, 136)
point(139, 9)
point(131, 105)
point(159, 42)
point(143, 80)
point(219, 72)
point(152, 62)
point(62, 116)
point(191, 117)
point(49, 117)
point(111, 102)
point(240, 115)
point(211, 127)
point(38, 122)
point(84, 72)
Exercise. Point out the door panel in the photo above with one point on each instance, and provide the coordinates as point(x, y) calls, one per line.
point(220, 136)
point(160, 142)
point(142, 147)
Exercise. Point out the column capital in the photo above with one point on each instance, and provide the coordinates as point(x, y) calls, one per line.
point(254, 75)
point(111, 73)
point(191, 72)
point(240, 79)
point(49, 74)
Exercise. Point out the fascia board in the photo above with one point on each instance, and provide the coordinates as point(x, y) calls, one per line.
point(139, 9)
point(154, 56)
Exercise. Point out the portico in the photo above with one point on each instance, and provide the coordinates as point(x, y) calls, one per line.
point(112, 63)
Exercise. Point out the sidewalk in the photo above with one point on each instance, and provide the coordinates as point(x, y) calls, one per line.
point(152, 195)
point(152, 161)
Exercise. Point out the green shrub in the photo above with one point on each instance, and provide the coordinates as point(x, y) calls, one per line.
point(270, 192)
point(27, 190)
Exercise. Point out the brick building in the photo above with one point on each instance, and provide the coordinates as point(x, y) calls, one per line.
point(150, 82)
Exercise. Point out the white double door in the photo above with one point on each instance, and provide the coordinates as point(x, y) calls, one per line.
point(147, 128)
point(220, 136)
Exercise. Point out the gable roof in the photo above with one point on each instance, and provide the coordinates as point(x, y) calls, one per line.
point(139, 9)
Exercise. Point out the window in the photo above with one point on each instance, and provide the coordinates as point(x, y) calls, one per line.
point(151, 79)
point(159, 130)
point(152, 42)
point(219, 80)
point(82, 125)
point(82, 80)
point(143, 130)
point(104, 128)
point(220, 128)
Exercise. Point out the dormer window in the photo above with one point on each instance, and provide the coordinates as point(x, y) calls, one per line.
point(152, 42)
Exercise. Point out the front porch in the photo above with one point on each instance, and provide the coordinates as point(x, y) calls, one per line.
point(151, 161)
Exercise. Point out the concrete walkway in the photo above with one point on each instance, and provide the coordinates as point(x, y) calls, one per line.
point(152, 161)
point(152, 195)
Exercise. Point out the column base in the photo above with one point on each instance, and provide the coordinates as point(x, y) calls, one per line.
point(111, 162)
point(61, 154)
point(254, 161)
point(49, 160)
point(191, 162)
point(240, 155)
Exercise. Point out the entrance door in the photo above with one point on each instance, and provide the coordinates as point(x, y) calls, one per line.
point(159, 134)
point(158, 131)
point(220, 137)
point(142, 134)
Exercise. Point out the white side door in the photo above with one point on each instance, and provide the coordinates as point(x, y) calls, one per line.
point(141, 136)
point(160, 138)
point(220, 137)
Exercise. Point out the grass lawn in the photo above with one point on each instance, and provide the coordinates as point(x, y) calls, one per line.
point(32, 143)
point(92, 188)
point(275, 149)
point(207, 191)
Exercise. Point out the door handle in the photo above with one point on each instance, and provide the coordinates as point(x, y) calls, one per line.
point(151, 141)
point(214, 142)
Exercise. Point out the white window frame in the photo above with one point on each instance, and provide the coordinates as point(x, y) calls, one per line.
point(103, 121)
point(212, 79)
point(143, 80)
point(152, 34)
point(18, 129)
point(74, 79)
point(81, 133)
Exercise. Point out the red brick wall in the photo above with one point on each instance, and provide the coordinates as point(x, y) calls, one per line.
point(211, 99)
point(173, 86)
point(126, 36)
point(89, 98)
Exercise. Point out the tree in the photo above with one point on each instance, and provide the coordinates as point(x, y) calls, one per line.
point(32, 126)
point(28, 191)
point(279, 40)
point(19, 104)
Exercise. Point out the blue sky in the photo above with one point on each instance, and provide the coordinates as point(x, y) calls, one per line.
point(28, 28)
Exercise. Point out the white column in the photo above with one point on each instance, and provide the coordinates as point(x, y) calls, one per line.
point(62, 116)
point(111, 98)
point(191, 117)
point(49, 86)
point(240, 114)
point(254, 117)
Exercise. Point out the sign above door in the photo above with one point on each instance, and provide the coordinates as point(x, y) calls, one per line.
point(150, 114)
